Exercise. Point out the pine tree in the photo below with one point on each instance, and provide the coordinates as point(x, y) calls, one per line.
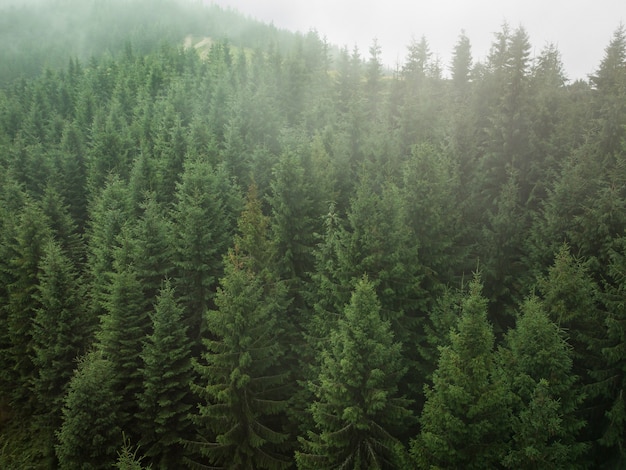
point(465, 420)
point(123, 328)
point(127, 458)
point(614, 353)
point(572, 300)
point(73, 167)
point(61, 333)
point(31, 238)
point(610, 82)
point(165, 400)
point(11, 202)
point(545, 425)
point(63, 226)
point(153, 250)
point(241, 381)
point(461, 64)
point(293, 217)
point(431, 183)
point(204, 219)
point(90, 433)
point(357, 412)
point(109, 213)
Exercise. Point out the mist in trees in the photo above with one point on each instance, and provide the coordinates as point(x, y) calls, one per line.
point(270, 252)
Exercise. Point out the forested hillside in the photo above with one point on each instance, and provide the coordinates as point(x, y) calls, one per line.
point(273, 256)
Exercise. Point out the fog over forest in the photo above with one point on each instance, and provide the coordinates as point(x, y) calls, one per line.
point(227, 243)
point(580, 32)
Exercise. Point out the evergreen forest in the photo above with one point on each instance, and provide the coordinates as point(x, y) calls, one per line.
point(227, 245)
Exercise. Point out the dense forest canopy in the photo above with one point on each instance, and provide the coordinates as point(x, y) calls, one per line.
point(270, 252)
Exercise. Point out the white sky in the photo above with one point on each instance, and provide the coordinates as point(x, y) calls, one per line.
point(580, 29)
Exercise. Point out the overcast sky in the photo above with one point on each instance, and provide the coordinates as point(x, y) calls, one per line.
point(580, 29)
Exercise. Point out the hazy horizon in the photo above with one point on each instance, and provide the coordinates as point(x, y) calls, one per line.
point(580, 33)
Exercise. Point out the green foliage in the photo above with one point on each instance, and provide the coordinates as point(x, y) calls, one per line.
point(538, 361)
point(123, 154)
point(90, 434)
point(127, 458)
point(357, 412)
point(465, 420)
point(206, 205)
point(123, 329)
point(241, 379)
point(61, 331)
point(165, 401)
point(32, 235)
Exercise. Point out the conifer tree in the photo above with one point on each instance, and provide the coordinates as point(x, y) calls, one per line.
point(11, 202)
point(63, 226)
point(545, 425)
point(572, 300)
point(429, 193)
point(610, 82)
point(357, 411)
point(127, 458)
point(465, 420)
point(293, 217)
point(73, 168)
point(165, 400)
point(123, 329)
point(90, 433)
point(204, 218)
point(461, 64)
point(241, 381)
point(31, 238)
point(153, 250)
point(109, 212)
point(61, 332)
point(614, 353)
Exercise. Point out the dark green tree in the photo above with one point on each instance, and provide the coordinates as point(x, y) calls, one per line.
point(466, 416)
point(123, 328)
point(90, 433)
point(61, 334)
point(63, 227)
point(165, 400)
point(204, 220)
point(109, 212)
point(32, 235)
point(74, 171)
point(571, 299)
point(545, 423)
point(357, 410)
point(153, 251)
point(614, 353)
point(242, 385)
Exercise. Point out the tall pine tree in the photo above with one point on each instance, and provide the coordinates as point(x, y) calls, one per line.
point(357, 411)
point(466, 418)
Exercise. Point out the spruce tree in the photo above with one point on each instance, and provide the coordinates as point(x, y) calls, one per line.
point(109, 212)
point(204, 218)
point(357, 410)
point(165, 401)
point(465, 420)
point(31, 238)
point(241, 382)
point(123, 328)
point(614, 354)
point(90, 433)
point(61, 333)
point(11, 202)
point(538, 363)
point(153, 250)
